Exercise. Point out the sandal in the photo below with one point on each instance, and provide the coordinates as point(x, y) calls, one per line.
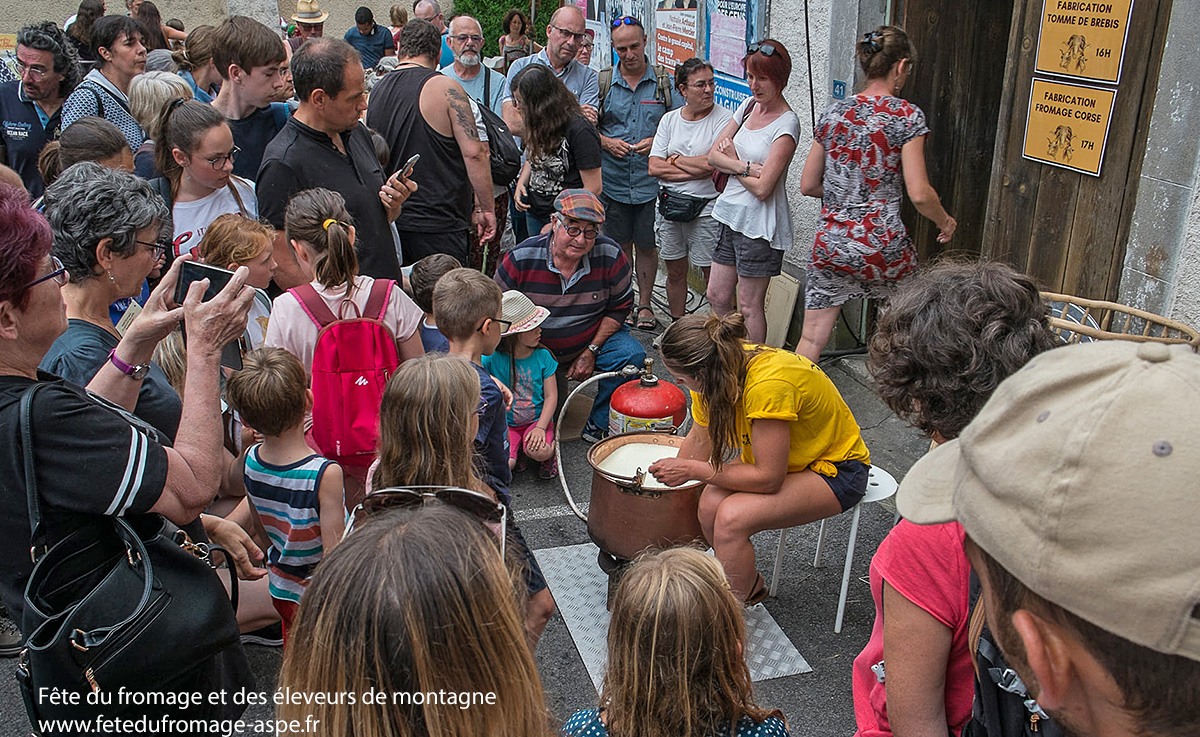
point(631, 319)
point(644, 323)
point(758, 593)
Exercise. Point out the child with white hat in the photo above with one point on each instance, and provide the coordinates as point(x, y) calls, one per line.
point(520, 363)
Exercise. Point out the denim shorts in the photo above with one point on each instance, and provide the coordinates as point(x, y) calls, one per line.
point(753, 257)
point(850, 484)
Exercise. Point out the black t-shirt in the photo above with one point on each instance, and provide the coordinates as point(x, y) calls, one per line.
point(81, 352)
point(302, 158)
point(550, 173)
point(23, 135)
point(252, 134)
point(91, 458)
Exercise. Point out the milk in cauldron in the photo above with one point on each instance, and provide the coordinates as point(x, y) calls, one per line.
point(627, 459)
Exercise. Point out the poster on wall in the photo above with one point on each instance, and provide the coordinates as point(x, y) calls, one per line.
point(1084, 40)
point(602, 49)
point(1067, 125)
point(731, 24)
point(675, 33)
point(730, 92)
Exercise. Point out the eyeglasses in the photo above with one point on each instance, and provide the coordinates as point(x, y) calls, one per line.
point(58, 274)
point(481, 506)
point(703, 84)
point(462, 38)
point(575, 231)
point(310, 26)
point(158, 249)
point(626, 20)
point(565, 32)
point(764, 48)
point(218, 162)
point(35, 72)
point(504, 324)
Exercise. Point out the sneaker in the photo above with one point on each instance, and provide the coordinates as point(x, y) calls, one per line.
point(269, 636)
point(11, 641)
point(522, 464)
point(593, 434)
point(548, 470)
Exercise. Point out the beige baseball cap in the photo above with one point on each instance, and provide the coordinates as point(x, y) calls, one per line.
point(1081, 476)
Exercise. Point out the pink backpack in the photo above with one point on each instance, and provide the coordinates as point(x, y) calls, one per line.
point(352, 361)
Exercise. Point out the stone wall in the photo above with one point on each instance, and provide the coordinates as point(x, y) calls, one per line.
point(1162, 259)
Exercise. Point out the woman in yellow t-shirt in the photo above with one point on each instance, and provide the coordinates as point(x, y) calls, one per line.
point(802, 455)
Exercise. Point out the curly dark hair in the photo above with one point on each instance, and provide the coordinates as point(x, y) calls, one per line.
point(46, 36)
point(546, 107)
point(948, 338)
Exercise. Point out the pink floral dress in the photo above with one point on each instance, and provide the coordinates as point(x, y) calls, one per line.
point(862, 248)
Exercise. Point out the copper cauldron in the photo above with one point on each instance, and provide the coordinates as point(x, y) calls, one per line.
point(624, 518)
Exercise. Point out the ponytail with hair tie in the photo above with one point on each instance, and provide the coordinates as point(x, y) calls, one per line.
point(871, 40)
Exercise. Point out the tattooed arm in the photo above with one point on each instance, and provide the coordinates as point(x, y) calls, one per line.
point(475, 156)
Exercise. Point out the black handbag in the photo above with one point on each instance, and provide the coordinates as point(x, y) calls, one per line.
point(678, 207)
point(119, 603)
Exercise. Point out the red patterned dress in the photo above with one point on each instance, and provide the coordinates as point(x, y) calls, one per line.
point(862, 248)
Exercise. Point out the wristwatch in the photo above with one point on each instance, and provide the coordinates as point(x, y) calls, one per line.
point(137, 373)
point(595, 349)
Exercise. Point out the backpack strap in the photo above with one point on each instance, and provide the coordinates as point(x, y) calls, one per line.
point(663, 77)
point(313, 305)
point(605, 84)
point(487, 88)
point(377, 302)
point(975, 634)
point(163, 187)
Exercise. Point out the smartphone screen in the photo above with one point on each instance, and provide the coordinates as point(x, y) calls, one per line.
point(194, 271)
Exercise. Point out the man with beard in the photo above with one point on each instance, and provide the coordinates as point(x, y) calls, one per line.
point(485, 86)
point(1075, 486)
point(31, 107)
point(324, 145)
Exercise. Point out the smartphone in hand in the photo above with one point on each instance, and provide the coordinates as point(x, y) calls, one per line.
point(218, 278)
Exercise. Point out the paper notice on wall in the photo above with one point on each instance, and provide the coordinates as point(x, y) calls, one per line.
point(675, 36)
point(727, 43)
point(602, 50)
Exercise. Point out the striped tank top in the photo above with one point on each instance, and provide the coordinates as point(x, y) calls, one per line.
point(286, 500)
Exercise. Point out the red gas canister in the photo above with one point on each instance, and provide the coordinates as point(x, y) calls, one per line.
point(646, 404)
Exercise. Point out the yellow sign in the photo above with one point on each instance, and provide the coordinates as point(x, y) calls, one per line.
point(8, 42)
point(1083, 39)
point(1067, 125)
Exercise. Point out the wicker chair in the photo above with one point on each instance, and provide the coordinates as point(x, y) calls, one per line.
point(1079, 320)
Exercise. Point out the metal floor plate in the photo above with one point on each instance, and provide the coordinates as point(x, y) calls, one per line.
point(580, 589)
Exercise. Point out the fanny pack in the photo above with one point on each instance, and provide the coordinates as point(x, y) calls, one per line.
point(678, 207)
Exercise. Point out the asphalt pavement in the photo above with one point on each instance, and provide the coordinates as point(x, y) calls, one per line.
point(816, 703)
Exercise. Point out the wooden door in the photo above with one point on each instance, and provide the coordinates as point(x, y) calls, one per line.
point(958, 80)
point(1068, 230)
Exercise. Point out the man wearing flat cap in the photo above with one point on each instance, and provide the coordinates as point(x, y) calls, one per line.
point(1076, 486)
point(583, 278)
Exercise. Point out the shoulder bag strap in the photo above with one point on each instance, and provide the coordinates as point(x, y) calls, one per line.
point(31, 492)
point(487, 87)
point(313, 305)
point(377, 302)
point(99, 102)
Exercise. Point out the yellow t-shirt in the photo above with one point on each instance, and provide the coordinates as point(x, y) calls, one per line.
point(781, 385)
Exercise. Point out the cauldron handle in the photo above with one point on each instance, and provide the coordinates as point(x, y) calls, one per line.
point(629, 371)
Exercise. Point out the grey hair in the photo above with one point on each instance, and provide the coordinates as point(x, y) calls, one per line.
point(88, 203)
point(150, 91)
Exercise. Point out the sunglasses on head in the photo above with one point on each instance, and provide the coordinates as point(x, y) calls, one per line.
point(626, 20)
point(764, 48)
point(481, 506)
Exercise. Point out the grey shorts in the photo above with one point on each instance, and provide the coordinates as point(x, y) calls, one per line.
point(624, 222)
point(753, 257)
point(694, 241)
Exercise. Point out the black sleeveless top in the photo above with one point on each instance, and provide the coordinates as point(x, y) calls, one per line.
point(443, 200)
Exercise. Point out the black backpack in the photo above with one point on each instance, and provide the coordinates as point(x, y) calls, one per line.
point(505, 156)
point(1003, 707)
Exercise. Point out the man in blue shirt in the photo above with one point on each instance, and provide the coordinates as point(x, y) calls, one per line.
point(31, 107)
point(372, 41)
point(563, 36)
point(429, 10)
point(633, 104)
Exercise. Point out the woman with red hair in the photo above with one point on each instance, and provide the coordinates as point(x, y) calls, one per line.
point(754, 149)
